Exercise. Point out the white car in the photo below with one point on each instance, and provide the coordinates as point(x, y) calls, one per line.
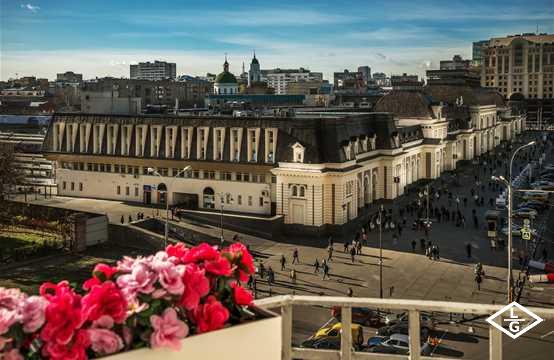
point(516, 230)
point(525, 212)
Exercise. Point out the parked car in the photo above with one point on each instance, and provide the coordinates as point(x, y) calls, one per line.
point(534, 204)
point(394, 344)
point(516, 230)
point(360, 315)
point(525, 212)
point(401, 327)
point(334, 331)
point(535, 195)
point(328, 342)
point(425, 320)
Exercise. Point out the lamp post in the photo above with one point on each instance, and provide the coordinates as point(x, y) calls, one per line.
point(154, 172)
point(508, 184)
point(381, 209)
point(222, 198)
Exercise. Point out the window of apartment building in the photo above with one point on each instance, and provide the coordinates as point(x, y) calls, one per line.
point(89, 167)
point(196, 174)
point(118, 190)
point(261, 201)
point(127, 190)
point(210, 175)
point(239, 199)
point(228, 198)
point(163, 171)
point(227, 176)
point(116, 168)
point(136, 191)
point(95, 167)
point(64, 185)
point(80, 186)
point(249, 200)
point(72, 186)
point(274, 179)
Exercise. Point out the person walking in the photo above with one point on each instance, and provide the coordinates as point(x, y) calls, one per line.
point(293, 276)
point(316, 266)
point(262, 270)
point(130, 219)
point(359, 248)
point(478, 280)
point(330, 253)
point(345, 250)
point(352, 253)
point(330, 241)
point(350, 292)
point(122, 219)
point(468, 250)
point(325, 271)
point(295, 258)
point(283, 262)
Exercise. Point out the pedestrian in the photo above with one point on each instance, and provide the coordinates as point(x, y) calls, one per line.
point(345, 250)
point(330, 241)
point(293, 276)
point(295, 258)
point(476, 221)
point(364, 240)
point(478, 280)
point(352, 253)
point(468, 250)
point(250, 281)
point(414, 244)
point(316, 266)
point(130, 219)
point(283, 262)
point(122, 219)
point(262, 270)
point(270, 276)
point(330, 253)
point(359, 248)
point(350, 292)
point(326, 271)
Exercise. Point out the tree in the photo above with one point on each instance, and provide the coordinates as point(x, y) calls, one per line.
point(10, 175)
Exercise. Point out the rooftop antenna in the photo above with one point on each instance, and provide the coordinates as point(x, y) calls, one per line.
point(537, 29)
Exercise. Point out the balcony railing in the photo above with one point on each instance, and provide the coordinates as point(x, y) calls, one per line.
point(413, 307)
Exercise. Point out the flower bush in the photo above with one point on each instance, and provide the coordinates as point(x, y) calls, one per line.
point(153, 301)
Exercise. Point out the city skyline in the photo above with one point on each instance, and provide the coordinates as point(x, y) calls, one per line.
point(104, 39)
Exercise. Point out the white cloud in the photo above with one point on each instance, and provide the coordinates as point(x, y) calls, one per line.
point(31, 8)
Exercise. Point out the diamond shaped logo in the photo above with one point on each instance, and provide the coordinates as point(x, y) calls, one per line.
point(514, 320)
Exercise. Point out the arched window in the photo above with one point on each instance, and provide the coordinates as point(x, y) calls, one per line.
point(302, 191)
point(294, 191)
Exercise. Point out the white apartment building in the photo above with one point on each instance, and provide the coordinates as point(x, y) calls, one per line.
point(157, 70)
point(280, 78)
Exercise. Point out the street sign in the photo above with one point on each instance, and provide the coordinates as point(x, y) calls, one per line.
point(525, 234)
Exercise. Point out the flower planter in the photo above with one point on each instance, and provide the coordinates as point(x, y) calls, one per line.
point(259, 339)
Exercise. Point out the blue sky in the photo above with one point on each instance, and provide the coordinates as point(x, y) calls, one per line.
point(99, 38)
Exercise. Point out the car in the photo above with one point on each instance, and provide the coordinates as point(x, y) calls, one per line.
point(394, 344)
point(329, 343)
point(360, 315)
point(534, 204)
point(401, 327)
point(516, 230)
point(525, 212)
point(334, 331)
point(535, 195)
point(425, 320)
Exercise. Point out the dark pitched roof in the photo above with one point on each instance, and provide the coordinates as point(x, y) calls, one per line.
point(403, 103)
point(471, 95)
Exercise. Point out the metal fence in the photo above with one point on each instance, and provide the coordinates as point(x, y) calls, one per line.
point(413, 307)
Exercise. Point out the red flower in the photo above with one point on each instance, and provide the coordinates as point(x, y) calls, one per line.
point(219, 266)
point(178, 250)
point(241, 256)
point(104, 272)
point(88, 284)
point(75, 350)
point(63, 313)
point(200, 253)
point(105, 299)
point(211, 315)
point(241, 296)
point(197, 286)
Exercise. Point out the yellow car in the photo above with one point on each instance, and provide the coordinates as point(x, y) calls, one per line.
point(335, 331)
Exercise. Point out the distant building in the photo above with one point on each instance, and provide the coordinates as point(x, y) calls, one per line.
point(457, 63)
point(109, 102)
point(381, 79)
point(280, 78)
point(347, 80)
point(254, 74)
point(157, 70)
point(477, 52)
point(365, 71)
point(225, 82)
point(69, 77)
point(304, 87)
point(406, 82)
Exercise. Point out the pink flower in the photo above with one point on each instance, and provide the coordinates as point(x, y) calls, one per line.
point(11, 299)
point(197, 286)
point(74, 350)
point(177, 251)
point(171, 278)
point(7, 319)
point(168, 330)
point(13, 354)
point(241, 256)
point(141, 279)
point(104, 272)
point(241, 296)
point(219, 266)
point(105, 299)
point(33, 313)
point(104, 341)
point(211, 315)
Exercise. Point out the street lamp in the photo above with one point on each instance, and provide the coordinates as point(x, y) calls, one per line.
point(222, 198)
point(508, 184)
point(381, 209)
point(154, 172)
